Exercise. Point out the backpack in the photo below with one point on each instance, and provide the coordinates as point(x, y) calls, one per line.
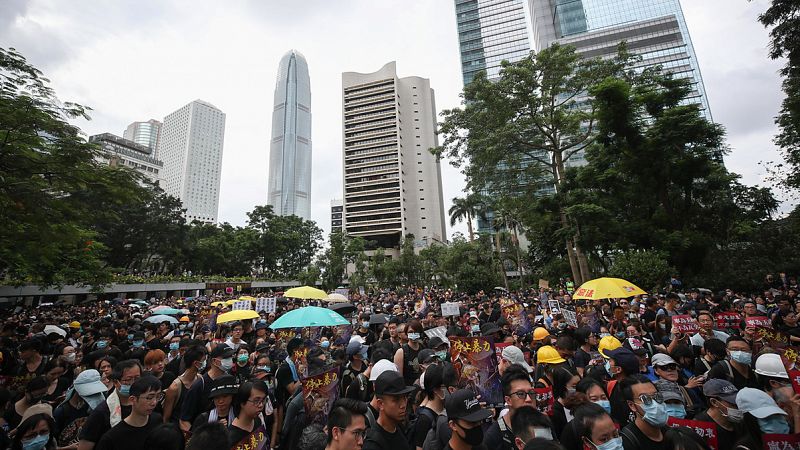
point(411, 428)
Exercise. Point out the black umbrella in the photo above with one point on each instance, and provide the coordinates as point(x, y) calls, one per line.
point(342, 308)
point(377, 319)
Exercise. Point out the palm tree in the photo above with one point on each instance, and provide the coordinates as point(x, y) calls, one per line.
point(506, 220)
point(464, 208)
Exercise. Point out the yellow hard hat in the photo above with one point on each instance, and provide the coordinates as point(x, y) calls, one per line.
point(548, 355)
point(74, 324)
point(608, 343)
point(540, 333)
point(184, 319)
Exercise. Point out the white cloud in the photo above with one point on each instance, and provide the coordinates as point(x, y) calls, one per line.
point(136, 60)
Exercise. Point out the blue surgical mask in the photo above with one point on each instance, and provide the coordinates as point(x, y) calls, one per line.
point(475, 328)
point(325, 344)
point(676, 411)
point(620, 335)
point(605, 404)
point(124, 389)
point(102, 344)
point(442, 355)
point(613, 444)
point(138, 343)
point(655, 414)
point(364, 324)
point(413, 336)
point(774, 424)
point(203, 365)
point(741, 357)
point(602, 335)
point(36, 443)
point(174, 346)
point(130, 337)
point(608, 368)
point(267, 368)
point(226, 364)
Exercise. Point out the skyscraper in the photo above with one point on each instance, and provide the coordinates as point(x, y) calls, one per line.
point(653, 29)
point(490, 31)
point(191, 148)
point(336, 214)
point(392, 183)
point(144, 133)
point(289, 189)
point(118, 151)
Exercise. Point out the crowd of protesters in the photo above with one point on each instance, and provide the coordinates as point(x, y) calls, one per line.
point(100, 376)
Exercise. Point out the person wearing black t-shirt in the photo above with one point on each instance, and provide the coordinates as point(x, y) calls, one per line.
point(250, 401)
point(738, 369)
point(465, 417)
point(647, 404)
point(391, 397)
point(722, 411)
point(101, 420)
point(145, 393)
point(197, 400)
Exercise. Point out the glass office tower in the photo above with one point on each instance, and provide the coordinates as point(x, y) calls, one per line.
point(653, 29)
point(289, 187)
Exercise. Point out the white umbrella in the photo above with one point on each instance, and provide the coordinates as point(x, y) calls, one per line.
point(158, 318)
point(54, 329)
point(336, 298)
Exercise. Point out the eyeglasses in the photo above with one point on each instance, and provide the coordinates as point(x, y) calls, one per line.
point(669, 367)
point(154, 397)
point(522, 394)
point(647, 400)
point(257, 401)
point(128, 380)
point(359, 434)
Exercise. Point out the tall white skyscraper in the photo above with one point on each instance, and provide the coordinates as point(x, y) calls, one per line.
point(392, 183)
point(289, 189)
point(191, 149)
point(144, 133)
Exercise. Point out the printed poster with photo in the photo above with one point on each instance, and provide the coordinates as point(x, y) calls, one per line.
point(319, 393)
point(476, 365)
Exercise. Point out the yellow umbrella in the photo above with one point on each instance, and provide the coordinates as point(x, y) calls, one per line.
point(239, 314)
point(607, 288)
point(217, 303)
point(231, 301)
point(247, 297)
point(305, 292)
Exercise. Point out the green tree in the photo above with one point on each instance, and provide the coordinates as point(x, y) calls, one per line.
point(46, 236)
point(286, 244)
point(515, 136)
point(465, 209)
point(783, 17)
point(471, 266)
point(310, 275)
point(384, 270)
point(647, 269)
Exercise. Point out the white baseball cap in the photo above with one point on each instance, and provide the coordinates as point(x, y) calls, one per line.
point(381, 366)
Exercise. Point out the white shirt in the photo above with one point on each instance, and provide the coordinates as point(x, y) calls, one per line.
point(698, 340)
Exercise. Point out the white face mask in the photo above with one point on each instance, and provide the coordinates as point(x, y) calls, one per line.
point(544, 433)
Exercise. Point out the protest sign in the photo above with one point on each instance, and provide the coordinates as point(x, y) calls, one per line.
point(244, 304)
point(757, 322)
point(685, 324)
point(544, 400)
point(300, 363)
point(258, 439)
point(229, 290)
point(781, 441)
point(706, 430)
point(794, 375)
point(570, 318)
point(516, 316)
point(319, 393)
point(476, 365)
point(438, 331)
point(266, 304)
point(544, 284)
point(498, 349)
point(554, 307)
point(450, 309)
point(727, 320)
point(343, 291)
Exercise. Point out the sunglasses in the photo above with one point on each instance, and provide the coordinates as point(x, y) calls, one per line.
point(647, 400)
point(522, 394)
point(669, 367)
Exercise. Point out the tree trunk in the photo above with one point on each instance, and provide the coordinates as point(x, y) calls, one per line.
point(573, 264)
point(469, 228)
point(500, 258)
point(519, 258)
point(583, 264)
point(577, 259)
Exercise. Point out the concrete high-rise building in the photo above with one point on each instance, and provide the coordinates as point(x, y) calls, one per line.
point(653, 29)
point(289, 189)
point(191, 148)
point(144, 133)
point(336, 214)
point(118, 151)
point(490, 31)
point(392, 183)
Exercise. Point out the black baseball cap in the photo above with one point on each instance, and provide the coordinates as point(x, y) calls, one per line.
point(436, 342)
point(463, 404)
point(221, 351)
point(224, 385)
point(392, 383)
point(625, 359)
point(426, 356)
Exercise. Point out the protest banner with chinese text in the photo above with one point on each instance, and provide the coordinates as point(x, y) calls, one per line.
point(544, 400)
point(476, 365)
point(258, 439)
point(244, 304)
point(570, 317)
point(706, 430)
point(685, 324)
point(450, 309)
point(266, 304)
point(554, 307)
point(781, 441)
point(319, 393)
point(727, 320)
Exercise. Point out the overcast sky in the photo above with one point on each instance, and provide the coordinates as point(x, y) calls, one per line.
point(137, 60)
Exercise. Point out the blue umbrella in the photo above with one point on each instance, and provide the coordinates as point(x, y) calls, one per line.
point(310, 316)
point(158, 318)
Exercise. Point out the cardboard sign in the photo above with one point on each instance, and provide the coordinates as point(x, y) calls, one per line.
point(476, 365)
point(438, 331)
point(727, 320)
point(244, 304)
point(544, 400)
point(544, 284)
point(267, 305)
point(685, 324)
point(450, 309)
point(781, 441)
point(706, 430)
point(554, 307)
point(570, 317)
point(343, 291)
point(758, 322)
